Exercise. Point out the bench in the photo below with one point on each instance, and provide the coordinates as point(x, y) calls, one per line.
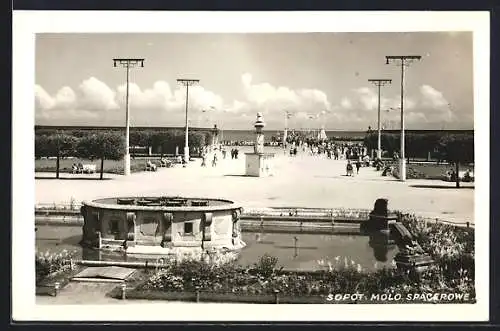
point(165, 163)
point(461, 175)
point(151, 167)
point(83, 169)
point(89, 168)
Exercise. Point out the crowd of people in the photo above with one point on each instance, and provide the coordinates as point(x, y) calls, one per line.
point(336, 151)
point(356, 154)
point(214, 153)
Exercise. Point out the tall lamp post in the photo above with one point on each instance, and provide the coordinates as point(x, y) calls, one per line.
point(127, 63)
point(285, 131)
point(224, 111)
point(379, 83)
point(311, 128)
point(187, 83)
point(403, 61)
point(322, 130)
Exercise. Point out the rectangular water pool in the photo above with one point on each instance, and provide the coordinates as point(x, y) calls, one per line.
point(294, 251)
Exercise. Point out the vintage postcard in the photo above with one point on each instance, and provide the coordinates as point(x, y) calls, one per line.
point(318, 166)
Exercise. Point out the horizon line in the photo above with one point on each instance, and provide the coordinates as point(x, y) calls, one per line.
point(38, 126)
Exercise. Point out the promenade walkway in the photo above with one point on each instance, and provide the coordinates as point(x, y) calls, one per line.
point(301, 181)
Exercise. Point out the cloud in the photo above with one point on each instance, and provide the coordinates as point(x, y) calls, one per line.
point(237, 107)
point(155, 98)
point(273, 100)
point(161, 98)
point(200, 98)
point(423, 107)
point(43, 100)
point(96, 95)
point(65, 98)
point(157, 105)
point(301, 115)
point(367, 98)
point(432, 97)
point(91, 95)
point(346, 103)
point(160, 104)
point(246, 79)
point(434, 106)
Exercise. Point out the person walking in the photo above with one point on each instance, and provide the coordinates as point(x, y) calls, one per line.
point(358, 165)
point(349, 169)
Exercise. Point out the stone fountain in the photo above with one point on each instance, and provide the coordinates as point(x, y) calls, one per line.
point(161, 225)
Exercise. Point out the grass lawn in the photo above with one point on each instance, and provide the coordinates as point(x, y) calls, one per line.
point(431, 170)
point(110, 166)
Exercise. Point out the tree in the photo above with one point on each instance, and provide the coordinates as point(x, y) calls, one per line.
point(389, 142)
point(167, 141)
point(369, 141)
point(41, 145)
point(456, 149)
point(143, 138)
point(102, 145)
point(417, 144)
point(56, 144)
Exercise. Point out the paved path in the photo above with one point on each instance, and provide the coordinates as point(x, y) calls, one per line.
point(301, 181)
point(79, 293)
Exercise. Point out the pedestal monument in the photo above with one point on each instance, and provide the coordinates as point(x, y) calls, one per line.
point(258, 163)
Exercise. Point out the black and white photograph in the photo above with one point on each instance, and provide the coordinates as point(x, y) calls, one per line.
point(342, 165)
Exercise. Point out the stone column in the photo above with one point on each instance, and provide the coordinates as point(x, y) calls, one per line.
point(259, 138)
point(215, 136)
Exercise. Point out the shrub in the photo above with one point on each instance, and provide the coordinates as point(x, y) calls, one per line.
point(266, 267)
point(48, 263)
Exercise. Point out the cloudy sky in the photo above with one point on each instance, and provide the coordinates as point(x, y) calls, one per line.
point(320, 78)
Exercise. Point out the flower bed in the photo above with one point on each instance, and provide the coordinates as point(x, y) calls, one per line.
point(48, 265)
point(451, 247)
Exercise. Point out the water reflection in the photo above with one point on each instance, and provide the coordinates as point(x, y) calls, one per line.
point(382, 245)
point(293, 250)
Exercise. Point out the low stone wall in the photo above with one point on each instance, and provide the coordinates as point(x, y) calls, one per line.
point(275, 219)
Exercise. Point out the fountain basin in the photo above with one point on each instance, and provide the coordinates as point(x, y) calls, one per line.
point(161, 225)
